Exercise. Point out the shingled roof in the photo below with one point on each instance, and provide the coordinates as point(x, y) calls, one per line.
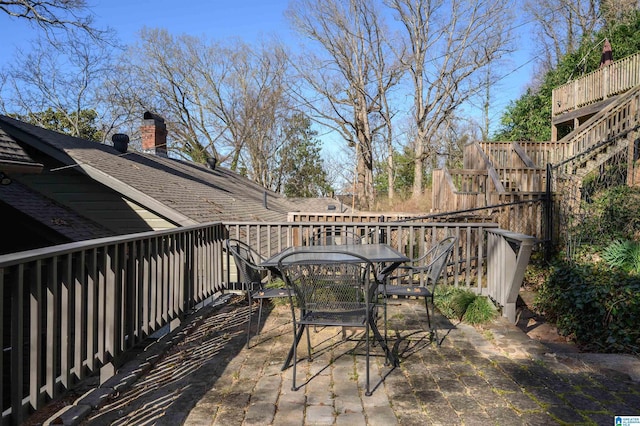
point(13, 158)
point(183, 192)
point(52, 215)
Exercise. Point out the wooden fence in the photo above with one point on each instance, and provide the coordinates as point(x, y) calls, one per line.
point(616, 120)
point(521, 210)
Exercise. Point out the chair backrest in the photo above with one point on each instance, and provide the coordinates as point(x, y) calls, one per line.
point(329, 282)
point(246, 260)
point(335, 237)
point(440, 254)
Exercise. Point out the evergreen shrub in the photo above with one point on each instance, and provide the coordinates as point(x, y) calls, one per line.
point(596, 306)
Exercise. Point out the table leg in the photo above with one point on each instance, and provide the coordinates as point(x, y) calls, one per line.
point(296, 340)
point(393, 360)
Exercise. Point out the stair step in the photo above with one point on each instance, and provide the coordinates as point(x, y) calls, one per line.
point(601, 157)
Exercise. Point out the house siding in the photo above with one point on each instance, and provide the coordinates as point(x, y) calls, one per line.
point(96, 202)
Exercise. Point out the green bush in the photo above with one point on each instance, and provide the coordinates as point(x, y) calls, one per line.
point(596, 306)
point(480, 311)
point(610, 214)
point(450, 300)
point(624, 255)
point(463, 305)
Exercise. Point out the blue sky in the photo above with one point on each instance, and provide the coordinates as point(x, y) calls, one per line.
point(222, 19)
point(219, 19)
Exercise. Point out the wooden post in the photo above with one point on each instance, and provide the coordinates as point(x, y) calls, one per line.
point(508, 255)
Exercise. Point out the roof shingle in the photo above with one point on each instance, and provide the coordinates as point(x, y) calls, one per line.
point(194, 191)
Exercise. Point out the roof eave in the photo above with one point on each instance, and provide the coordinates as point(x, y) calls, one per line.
point(9, 167)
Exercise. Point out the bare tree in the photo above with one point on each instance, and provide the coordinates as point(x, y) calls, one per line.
point(389, 71)
point(451, 43)
point(64, 71)
point(65, 76)
point(340, 166)
point(560, 24)
point(345, 81)
point(51, 15)
point(225, 101)
point(618, 10)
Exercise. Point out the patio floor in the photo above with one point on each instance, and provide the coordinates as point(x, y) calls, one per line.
point(203, 375)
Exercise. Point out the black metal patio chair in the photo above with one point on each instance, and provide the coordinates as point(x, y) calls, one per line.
point(428, 269)
point(332, 288)
point(253, 277)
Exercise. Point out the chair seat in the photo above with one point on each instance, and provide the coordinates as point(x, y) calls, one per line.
point(406, 290)
point(267, 293)
point(355, 318)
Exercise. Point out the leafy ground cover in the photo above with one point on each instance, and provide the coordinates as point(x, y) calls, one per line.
point(594, 305)
point(593, 295)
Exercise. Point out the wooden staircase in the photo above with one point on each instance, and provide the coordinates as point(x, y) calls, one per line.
point(604, 135)
point(508, 180)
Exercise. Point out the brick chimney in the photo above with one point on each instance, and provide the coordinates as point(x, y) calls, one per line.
point(154, 134)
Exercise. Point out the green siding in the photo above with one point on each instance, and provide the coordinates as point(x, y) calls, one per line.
point(96, 202)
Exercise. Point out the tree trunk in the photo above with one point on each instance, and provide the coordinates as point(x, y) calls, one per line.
point(391, 181)
point(364, 173)
point(418, 167)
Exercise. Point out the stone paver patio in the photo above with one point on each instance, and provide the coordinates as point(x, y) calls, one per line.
point(203, 375)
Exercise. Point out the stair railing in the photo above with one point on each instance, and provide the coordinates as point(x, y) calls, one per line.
point(615, 119)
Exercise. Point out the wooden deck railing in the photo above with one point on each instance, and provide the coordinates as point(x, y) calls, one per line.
point(615, 120)
point(542, 153)
point(520, 210)
point(73, 310)
point(521, 154)
point(610, 80)
point(447, 191)
point(522, 179)
point(410, 238)
point(500, 154)
point(347, 217)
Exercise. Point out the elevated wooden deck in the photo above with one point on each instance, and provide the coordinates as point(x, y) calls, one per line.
point(576, 101)
point(604, 83)
point(508, 181)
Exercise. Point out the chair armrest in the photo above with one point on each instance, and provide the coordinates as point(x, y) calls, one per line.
point(414, 263)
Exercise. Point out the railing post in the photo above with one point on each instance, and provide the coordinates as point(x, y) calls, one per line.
point(548, 237)
point(17, 348)
point(508, 255)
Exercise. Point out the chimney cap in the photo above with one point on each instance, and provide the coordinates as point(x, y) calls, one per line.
point(120, 142)
point(148, 115)
point(211, 162)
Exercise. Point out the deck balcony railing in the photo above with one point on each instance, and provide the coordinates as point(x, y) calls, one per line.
point(73, 310)
point(603, 83)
